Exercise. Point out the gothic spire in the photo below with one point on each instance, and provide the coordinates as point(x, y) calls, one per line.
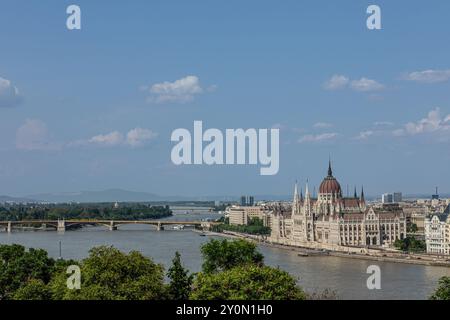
point(356, 195)
point(330, 171)
point(362, 193)
point(296, 191)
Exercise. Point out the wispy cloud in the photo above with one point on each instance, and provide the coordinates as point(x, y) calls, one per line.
point(364, 135)
point(180, 91)
point(322, 125)
point(428, 76)
point(317, 138)
point(338, 82)
point(138, 136)
point(9, 94)
point(134, 138)
point(383, 123)
point(110, 139)
point(366, 85)
point(434, 122)
point(33, 135)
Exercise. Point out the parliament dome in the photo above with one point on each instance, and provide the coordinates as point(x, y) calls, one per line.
point(330, 184)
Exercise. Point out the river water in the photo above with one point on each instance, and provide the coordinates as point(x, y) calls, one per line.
point(347, 277)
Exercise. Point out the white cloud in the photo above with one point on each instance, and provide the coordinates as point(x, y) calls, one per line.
point(182, 90)
point(138, 136)
point(317, 138)
point(366, 85)
point(33, 135)
point(9, 94)
point(135, 138)
point(383, 123)
point(321, 125)
point(110, 139)
point(434, 122)
point(364, 135)
point(429, 76)
point(336, 82)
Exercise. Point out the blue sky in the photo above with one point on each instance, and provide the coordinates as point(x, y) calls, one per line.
point(77, 111)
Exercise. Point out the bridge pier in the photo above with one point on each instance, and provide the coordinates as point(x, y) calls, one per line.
point(112, 226)
point(61, 227)
point(159, 227)
point(9, 227)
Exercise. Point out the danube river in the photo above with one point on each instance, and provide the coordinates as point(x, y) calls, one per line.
point(344, 275)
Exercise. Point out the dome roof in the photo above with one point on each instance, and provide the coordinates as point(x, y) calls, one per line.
point(330, 184)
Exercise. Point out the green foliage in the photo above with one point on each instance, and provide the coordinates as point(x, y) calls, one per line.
point(411, 244)
point(221, 255)
point(19, 266)
point(180, 280)
point(249, 282)
point(412, 228)
point(255, 226)
point(109, 274)
point(231, 270)
point(127, 211)
point(34, 289)
point(443, 290)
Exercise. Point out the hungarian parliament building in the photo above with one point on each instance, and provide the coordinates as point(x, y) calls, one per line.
point(331, 220)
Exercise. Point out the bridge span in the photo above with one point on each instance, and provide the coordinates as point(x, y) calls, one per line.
point(112, 225)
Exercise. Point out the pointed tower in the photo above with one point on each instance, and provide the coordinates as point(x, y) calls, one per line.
point(307, 200)
point(362, 200)
point(296, 202)
point(355, 195)
point(330, 171)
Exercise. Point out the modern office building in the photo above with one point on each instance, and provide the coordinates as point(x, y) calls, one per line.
point(397, 197)
point(387, 198)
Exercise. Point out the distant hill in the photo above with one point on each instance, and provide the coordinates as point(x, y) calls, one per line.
point(15, 199)
point(120, 195)
point(110, 195)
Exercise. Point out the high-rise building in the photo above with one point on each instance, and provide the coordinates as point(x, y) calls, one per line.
point(251, 201)
point(398, 197)
point(436, 195)
point(387, 198)
point(243, 201)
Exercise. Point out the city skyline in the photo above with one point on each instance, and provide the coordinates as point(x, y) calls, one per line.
point(93, 109)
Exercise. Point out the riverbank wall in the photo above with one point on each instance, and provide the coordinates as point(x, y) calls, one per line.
point(373, 254)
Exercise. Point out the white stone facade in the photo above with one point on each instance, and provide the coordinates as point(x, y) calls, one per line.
point(437, 234)
point(333, 220)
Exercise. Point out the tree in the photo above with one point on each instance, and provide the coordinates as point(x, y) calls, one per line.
point(19, 266)
point(33, 290)
point(109, 274)
point(443, 290)
point(410, 244)
point(248, 282)
point(222, 255)
point(412, 228)
point(180, 280)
